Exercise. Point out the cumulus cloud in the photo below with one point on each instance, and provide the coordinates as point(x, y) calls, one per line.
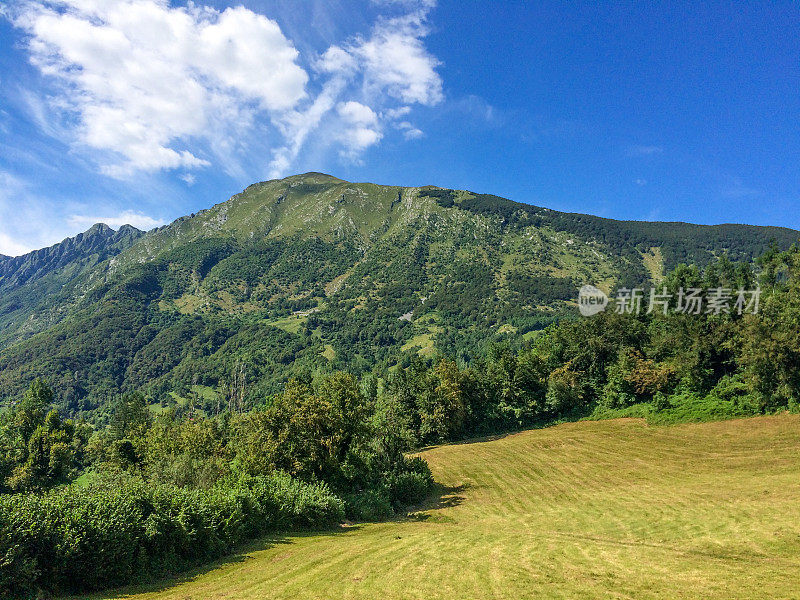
point(143, 85)
point(144, 79)
point(361, 127)
point(127, 217)
point(409, 131)
point(391, 60)
point(395, 60)
point(389, 65)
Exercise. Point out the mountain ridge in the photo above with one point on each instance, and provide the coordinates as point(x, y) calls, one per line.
point(41, 261)
point(28, 283)
point(312, 273)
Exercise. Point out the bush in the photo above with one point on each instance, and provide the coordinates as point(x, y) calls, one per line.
point(410, 485)
point(689, 407)
point(369, 505)
point(410, 482)
point(408, 488)
point(74, 539)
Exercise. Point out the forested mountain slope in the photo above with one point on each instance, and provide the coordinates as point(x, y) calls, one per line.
point(312, 273)
point(29, 284)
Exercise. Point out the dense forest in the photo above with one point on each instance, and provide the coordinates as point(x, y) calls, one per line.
point(147, 489)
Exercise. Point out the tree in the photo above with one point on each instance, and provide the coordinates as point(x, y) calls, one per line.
point(41, 448)
point(31, 410)
point(770, 344)
point(131, 416)
point(443, 405)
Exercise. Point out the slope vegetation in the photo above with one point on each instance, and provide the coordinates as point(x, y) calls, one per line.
point(311, 273)
point(31, 285)
point(612, 509)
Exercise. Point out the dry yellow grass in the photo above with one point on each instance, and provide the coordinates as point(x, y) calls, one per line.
point(611, 509)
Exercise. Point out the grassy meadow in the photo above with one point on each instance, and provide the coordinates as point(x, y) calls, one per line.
point(607, 509)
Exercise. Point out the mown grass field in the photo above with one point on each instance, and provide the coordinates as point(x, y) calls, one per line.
point(610, 509)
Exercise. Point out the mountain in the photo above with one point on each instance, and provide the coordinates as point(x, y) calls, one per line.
point(313, 273)
point(29, 283)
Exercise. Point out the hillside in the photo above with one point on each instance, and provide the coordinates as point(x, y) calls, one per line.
point(610, 509)
point(311, 273)
point(30, 284)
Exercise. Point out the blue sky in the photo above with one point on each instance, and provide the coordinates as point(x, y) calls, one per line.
point(144, 110)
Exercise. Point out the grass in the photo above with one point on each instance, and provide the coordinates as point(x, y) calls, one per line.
point(604, 509)
point(290, 323)
point(654, 263)
point(329, 352)
point(203, 392)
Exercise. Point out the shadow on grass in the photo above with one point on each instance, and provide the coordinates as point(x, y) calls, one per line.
point(442, 497)
point(241, 555)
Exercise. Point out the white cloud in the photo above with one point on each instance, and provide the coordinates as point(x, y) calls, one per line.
point(297, 125)
point(10, 189)
point(398, 113)
point(361, 127)
point(188, 178)
point(357, 113)
point(29, 220)
point(142, 85)
point(145, 79)
point(337, 60)
point(409, 131)
point(12, 247)
point(392, 60)
point(127, 217)
point(390, 64)
point(24, 222)
point(479, 110)
point(396, 60)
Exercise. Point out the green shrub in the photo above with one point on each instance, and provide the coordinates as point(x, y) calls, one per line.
point(693, 407)
point(410, 485)
point(76, 539)
point(369, 505)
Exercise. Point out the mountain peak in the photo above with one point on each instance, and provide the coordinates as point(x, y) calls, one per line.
point(73, 254)
point(99, 228)
point(128, 229)
point(314, 175)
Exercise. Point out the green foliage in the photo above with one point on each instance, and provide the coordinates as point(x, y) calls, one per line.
point(75, 540)
point(687, 407)
point(669, 368)
point(39, 449)
point(770, 346)
point(409, 485)
point(368, 505)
